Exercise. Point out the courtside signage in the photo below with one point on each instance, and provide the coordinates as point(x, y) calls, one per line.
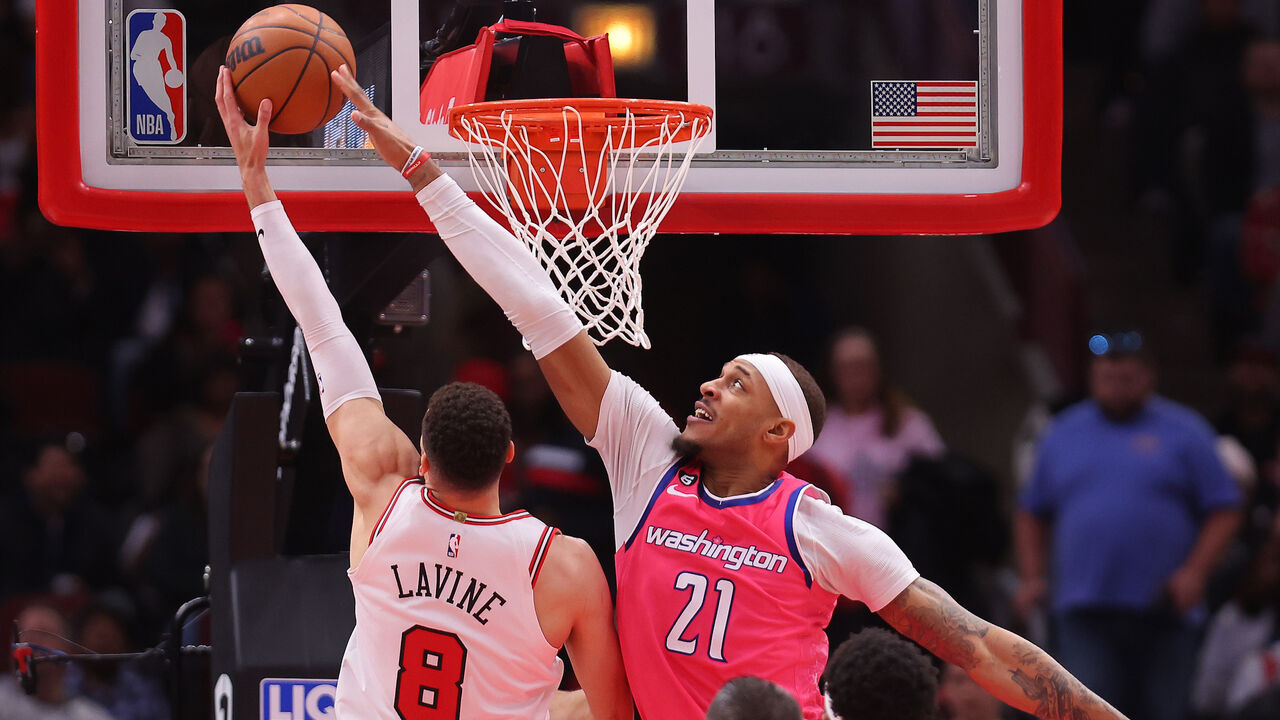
point(296, 699)
point(156, 76)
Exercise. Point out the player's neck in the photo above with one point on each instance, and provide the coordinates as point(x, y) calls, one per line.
point(484, 502)
point(732, 479)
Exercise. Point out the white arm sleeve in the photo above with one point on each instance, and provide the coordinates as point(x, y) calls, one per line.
point(341, 370)
point(633, 438)
point(850, 557)
point(500, 264)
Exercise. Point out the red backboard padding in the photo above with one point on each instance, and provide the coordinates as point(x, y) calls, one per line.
point(65, 198)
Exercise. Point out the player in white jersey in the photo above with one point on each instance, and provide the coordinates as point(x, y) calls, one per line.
point(460, 610)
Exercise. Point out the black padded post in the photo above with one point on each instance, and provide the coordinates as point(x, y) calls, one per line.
point(276, 616)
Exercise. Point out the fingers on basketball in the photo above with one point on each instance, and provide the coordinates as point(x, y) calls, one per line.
point(343, 79)
point(223, 96)
point(264, 113)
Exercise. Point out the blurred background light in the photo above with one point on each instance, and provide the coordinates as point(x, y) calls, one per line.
point(631, 28)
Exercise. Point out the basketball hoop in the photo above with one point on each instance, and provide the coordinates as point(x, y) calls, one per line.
point(584, 183)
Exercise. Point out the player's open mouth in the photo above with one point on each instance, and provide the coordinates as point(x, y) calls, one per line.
point(700, 412)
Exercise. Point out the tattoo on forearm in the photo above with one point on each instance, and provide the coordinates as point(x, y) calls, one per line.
point(926, 614)
point(1054, 691)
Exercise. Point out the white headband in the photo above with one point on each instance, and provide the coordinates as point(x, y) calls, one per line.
point(826, 704)
point(789, 397)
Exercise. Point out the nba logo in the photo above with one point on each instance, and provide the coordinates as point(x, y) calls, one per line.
point(156, 72)
point(454, 541)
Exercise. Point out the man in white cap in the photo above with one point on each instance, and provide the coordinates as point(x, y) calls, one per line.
point(726, 565)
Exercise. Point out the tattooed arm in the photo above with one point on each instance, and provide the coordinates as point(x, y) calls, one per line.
point(1005, 665)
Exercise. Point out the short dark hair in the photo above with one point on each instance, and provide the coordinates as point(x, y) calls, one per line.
point(752, 698)
point(465, 434)
point(813, 396)
point(878, 675)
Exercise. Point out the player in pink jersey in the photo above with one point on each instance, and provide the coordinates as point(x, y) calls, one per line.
point(460, 610)
point(727, 566)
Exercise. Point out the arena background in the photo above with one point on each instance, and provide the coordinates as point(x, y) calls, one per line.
point(125, 348)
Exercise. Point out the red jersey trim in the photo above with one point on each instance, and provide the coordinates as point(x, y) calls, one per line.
point(540, 554)
point(386, 512)
point(467, 518)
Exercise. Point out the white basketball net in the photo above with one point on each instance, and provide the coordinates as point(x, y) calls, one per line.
point(592, 253)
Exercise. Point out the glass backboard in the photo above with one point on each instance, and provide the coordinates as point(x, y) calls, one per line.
point(831, 116)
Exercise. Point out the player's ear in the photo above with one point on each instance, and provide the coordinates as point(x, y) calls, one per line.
point(780, 431)
point(424, 465)
point(511, 451)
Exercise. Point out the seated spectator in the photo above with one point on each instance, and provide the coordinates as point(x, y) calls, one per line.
point(960, 698)
point(51, 534)
point(1256, 680)
point(1252, 415)
point(1239, 637)
point(879, 675)
point(1239, 169)
point(750, 698)
point(166, 550)
point(872, 430)
point(128, 690)
point(52, 699)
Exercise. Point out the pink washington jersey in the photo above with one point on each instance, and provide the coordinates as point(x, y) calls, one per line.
point(712, 589)
point(445, 621)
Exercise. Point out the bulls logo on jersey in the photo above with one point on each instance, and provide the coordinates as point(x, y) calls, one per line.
point(156, 76)
point(455, 541)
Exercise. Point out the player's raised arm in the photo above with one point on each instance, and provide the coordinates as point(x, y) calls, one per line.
point(375, 454)
point(1005, 665)
point(499, 263)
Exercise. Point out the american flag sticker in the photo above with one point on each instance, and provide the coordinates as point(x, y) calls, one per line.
point(914, 114)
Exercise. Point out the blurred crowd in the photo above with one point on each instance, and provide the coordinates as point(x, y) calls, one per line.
point(1141, 545)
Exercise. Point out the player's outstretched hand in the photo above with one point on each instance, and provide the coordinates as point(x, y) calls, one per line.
point(392, 143)
point(248, 141)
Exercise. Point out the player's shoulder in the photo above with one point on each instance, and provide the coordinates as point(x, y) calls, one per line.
point(569, 558)
point(571, 567)
point(816, 515)
point(799, 490)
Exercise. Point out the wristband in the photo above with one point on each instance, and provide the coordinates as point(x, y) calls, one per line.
point(416, 160)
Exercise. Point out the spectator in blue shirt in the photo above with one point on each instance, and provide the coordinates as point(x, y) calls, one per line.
point(1126, 514)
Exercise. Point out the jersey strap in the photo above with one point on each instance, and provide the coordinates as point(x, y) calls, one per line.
point(540, 553)
point(792, 546)
point(386, 512)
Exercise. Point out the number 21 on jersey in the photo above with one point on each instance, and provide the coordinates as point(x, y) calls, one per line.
point(724, 589)
point(432, 666)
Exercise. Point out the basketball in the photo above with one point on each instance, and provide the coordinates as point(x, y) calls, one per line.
point(173, 78)
point(286, 53)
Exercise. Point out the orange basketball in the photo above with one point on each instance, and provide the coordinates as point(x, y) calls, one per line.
point(286, 53)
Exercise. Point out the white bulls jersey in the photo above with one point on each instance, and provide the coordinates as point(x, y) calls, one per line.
point(445, 622)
